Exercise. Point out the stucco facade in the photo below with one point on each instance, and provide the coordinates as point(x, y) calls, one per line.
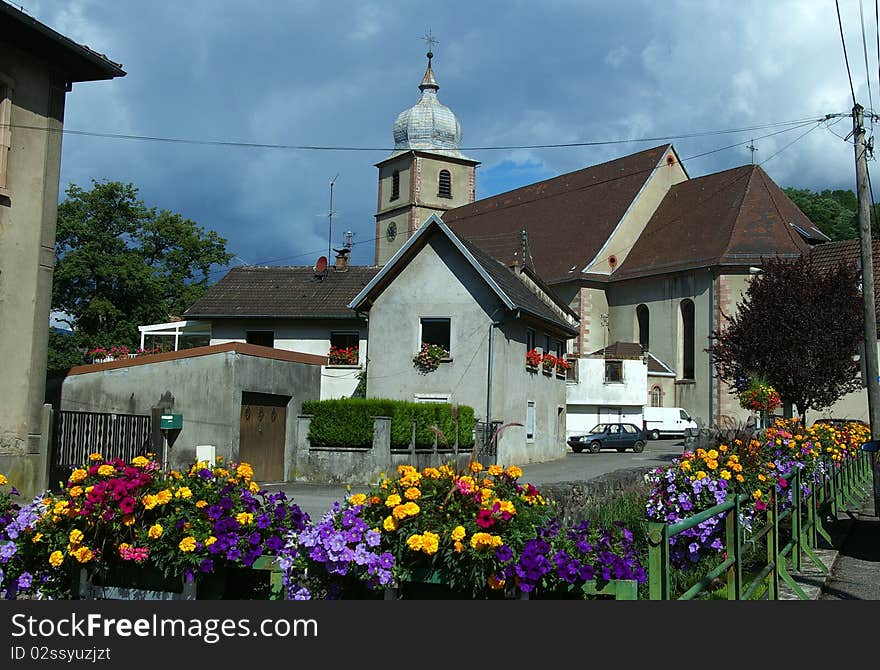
point(37, 68)
point(206, 389)
point(593, 398)
point(306, 336)
point(439, 282)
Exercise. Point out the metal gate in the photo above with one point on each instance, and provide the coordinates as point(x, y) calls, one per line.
point(486, 446)
point(78, 434)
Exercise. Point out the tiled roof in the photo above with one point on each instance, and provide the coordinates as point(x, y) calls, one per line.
point(734, 217)
point(283, 292)
point(621, 351)
point(567, 218)
point(829, 255)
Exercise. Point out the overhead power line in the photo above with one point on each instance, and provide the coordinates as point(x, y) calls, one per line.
point(845, 57)
point(307, 147)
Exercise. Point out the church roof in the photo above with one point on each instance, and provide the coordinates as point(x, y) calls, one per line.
point(428, 125)
point(734, 217)
point(567, 218)
point(283, 292)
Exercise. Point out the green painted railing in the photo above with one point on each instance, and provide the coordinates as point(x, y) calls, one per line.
point(847, 482)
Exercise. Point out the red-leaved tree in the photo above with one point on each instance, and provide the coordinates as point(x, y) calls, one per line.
point(798, 328)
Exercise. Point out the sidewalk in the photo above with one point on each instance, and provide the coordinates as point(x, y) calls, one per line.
point(856, 572)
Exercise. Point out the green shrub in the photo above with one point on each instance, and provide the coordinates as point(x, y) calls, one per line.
point(348, 422)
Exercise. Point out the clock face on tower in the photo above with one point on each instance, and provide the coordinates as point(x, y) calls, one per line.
point(391, 231)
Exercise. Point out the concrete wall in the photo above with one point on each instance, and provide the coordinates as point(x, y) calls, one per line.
point(590, 304)
point(591, 399)
point(28, 207)
point(207, 390)
point(309, 337)
point(439, 282)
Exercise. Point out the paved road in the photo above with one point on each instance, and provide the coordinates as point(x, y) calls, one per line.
point(316, 499)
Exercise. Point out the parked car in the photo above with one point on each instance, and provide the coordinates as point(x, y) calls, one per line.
point(620, 436)
point(666, 422)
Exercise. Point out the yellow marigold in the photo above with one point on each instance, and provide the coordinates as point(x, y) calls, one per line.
point(712, 464)
point(736, 467)
point(75, 536)
point(740, 478)
point(139, 461)
point(514, 471)
point(83, 554)
point(393, 500)
point(245, 471)
point(431, 473)
point(155, 531)
point(3, 480)
point(488, 494)
point(701, 453)
point(762, 478)
point(183, 492)
point(725, 474)
point(358, 499)
point(411, 508)
point(187, 544)
point(411, 479)
point(390, 524)
point(712, 455)
point(495, 470)
point(412, 493)
point(76, 491)
point(106, 470)
point(757, 494)
point(686, 466)
point(123, 547)
point(253, 487)
point(701, 474)
point(163, 497)
point(95, 456)
point(430, 543)
point(244, 518)
point(475, 466)
point(128, 520)
point(495, 583)
point(201, 504)
point(37, 537)
point(458, 533)
point(446, 470)
point(175, 475)
point(210, 540)
point(507, 506)
point(56, 558)
point(221, 472)
point(772, 465)
point(723, 448)
point(403, 469)
point(414, 542)
point(485, 541)
point(458, 547)
point(487, 483)
point(78, 475)
point(375, 500)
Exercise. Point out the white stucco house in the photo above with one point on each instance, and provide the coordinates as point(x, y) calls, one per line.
point(440, 289)
point(300, 309)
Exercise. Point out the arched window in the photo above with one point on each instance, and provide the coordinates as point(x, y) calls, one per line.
point(656, 396)
point(395, 185)
point(445, 190)
point(687, 339)
point(643, 319)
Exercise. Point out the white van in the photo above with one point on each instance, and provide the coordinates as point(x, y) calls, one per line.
point(666, 422)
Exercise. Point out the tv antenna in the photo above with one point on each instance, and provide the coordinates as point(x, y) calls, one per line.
point(330, 217)
point(751, 147)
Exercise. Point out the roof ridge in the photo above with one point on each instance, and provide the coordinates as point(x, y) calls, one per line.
point(750, 171)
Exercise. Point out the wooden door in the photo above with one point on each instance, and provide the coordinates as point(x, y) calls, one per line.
point(263, 428)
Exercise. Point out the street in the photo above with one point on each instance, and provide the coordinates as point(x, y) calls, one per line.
point(316, 499)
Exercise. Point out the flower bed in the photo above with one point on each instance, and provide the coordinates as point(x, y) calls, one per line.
point(479, 533)
point(702, 479)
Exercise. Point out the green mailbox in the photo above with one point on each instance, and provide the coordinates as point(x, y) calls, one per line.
point(171, 421)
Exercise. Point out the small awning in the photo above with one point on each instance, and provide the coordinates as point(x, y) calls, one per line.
point(176, 329)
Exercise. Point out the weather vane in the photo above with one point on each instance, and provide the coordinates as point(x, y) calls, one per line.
point(430, 41)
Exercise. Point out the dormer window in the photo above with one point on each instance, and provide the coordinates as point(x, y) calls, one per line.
point(445, 187)
point(395, 185)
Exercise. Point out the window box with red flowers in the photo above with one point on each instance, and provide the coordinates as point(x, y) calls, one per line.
point(533, 360)
point(548, 362)
point(562, 367)
point(339, 356)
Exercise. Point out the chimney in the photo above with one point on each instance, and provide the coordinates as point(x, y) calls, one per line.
point(342, 254)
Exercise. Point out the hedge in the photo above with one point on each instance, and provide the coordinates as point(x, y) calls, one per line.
point(348, 422)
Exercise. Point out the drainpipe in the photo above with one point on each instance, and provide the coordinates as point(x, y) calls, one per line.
point(492, 325)
point(712, 379)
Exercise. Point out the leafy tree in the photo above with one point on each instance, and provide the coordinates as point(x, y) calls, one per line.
point(120, 264)
point(835, 213)
point(64, 353)
point(798, 329)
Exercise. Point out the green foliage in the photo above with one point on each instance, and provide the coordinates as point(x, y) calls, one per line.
point(348, 422)
point(63, 353)
point(120, 264)
point(835, 213)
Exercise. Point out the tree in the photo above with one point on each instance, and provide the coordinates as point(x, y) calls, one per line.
point(798, 329)
point(834, 212)
point(120, 264)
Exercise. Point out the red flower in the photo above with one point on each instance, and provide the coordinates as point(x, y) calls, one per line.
point(485, 519)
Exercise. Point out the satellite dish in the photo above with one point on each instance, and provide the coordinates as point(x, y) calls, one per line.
point(321, 265)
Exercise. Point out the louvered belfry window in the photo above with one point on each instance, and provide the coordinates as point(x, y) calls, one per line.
point(445, 190)
point(395, 185)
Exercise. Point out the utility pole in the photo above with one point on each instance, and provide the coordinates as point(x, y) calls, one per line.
point(872, 371)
